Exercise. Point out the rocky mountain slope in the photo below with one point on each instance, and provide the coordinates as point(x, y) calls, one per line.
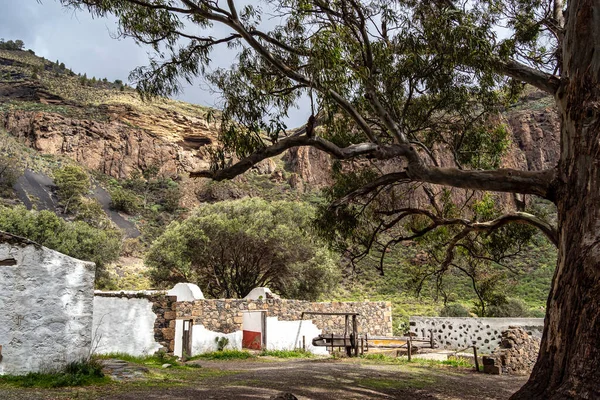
point(107, 128)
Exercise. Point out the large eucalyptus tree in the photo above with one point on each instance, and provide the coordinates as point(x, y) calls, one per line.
point(399, 81)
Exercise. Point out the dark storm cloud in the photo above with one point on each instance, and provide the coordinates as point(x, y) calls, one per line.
point(85, 45)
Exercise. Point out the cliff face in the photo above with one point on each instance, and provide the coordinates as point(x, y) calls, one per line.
point(109, 129)
point(112, 147)
point(536, 135)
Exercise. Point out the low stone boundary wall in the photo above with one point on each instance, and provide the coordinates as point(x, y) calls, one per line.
point(284, 328)
point(458, 333)
point(225, 315)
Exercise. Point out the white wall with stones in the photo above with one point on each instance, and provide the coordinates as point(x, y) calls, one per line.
point(458, 333)
point(46, 301)
point(124, 325)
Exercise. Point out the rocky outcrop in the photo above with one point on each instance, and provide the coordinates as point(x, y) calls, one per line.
point(537, 135)
point(516, 355)
point(111, 147)
point(312, 166)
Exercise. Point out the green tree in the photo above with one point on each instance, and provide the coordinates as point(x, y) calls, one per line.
point(9, 174)
point(231, 247)
point(76, 239)
point(72, 183)
point(124, 200)
point(397, 82)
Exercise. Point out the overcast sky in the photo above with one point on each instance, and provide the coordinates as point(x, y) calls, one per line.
point(85, 45)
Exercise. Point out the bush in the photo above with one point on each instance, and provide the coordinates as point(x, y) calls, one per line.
point(286, 353)
point(9, 175)
point(76, 239)
point(454, 310)
point(90, 211)
point(124, 200)
point(514, 308)
point(224, 355)
point(72, 183)
point(221, 342)
point(76, 373)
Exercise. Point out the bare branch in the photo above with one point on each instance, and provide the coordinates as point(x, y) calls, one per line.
point(542, 80)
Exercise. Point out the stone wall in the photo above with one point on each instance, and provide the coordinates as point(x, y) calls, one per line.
point(516, 355)
point(285, 326)
point(136, 323)
point(46, 299)
point(225, 315)
point(458, 333)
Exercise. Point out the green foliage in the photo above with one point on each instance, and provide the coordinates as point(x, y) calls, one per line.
point(231, 247)
point(12, 45)
point(72, 183)
point(9, 174)
point(91, 212)
point(124, 200)
point(155, 360)
point(222, 342)
point(224, 355)
point(76, 239)
point(454, 310)
point(76, 373)
point(515, 308)
point(286, 353)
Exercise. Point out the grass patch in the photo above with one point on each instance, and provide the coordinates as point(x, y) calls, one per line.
point(384, 359)
point(286, 353)
point(224, 355)
point(76, 373)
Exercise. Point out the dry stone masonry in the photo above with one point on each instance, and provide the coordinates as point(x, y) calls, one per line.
point(225, 315)
point(516, 355)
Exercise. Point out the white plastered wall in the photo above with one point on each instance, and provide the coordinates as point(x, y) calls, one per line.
point(203, 340)
point(46, 308)
point(123, 325)
point(287, 335)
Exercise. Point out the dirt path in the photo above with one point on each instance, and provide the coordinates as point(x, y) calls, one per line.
point(307, 379)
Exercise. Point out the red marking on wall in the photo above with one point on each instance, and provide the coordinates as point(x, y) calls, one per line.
point(251, 340)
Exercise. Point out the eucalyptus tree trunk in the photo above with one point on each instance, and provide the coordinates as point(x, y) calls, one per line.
point(568, 365)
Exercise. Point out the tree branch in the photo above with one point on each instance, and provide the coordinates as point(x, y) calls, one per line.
point(542, 80)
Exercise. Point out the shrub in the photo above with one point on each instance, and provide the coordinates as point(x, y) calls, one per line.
point(454, 310)
point(72, 183)
point(124, 200)
point(224, 355)
point(76, 373)
point(286, 353)
point(76, 239)
point(221, 342)
point(9, 174)
point(90, 211)
point(514, 308)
